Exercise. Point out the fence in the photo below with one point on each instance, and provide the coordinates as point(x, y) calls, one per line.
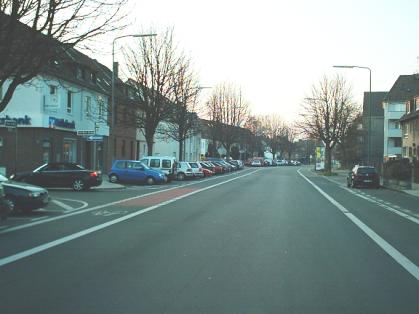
point(401, 173)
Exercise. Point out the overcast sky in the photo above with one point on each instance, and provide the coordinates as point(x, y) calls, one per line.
point(276, 50)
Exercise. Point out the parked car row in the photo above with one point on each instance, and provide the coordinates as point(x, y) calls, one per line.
point(267, 162)
point(160, 169)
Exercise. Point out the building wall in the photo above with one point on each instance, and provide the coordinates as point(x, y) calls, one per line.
point(40, 107)
point(392, 111)
point(410, 139)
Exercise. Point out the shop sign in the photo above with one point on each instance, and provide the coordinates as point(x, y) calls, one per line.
point(13, 122)
point(95, 138)
point(85, 132)
point(61, 123)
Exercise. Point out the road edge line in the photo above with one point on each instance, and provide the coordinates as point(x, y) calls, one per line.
point(402, 260)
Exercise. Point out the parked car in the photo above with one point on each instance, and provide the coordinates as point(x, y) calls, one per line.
point(282, 162)
point(196, 170)
point(207, 172)
point(24, 196)
point(61, 174)
point(210, 166)
point(166, 164)
point(363, 176)
point(184, 171)
point(224, 167)
point(256, 163)
point(135, 171)
point(5, 206)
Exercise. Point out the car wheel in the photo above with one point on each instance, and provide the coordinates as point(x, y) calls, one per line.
point(78, 185)
point(113, 178)
point(180, 176)
point(11, 205)
point(150, 181)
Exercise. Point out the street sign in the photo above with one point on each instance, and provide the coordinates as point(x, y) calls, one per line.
point(10, 123)
point(94, 138)
point(85, 132)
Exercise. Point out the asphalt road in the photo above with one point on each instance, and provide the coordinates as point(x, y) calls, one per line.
point(271, 240)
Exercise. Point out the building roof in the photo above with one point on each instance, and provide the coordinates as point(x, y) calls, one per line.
point(405, 87)
point(377, 101)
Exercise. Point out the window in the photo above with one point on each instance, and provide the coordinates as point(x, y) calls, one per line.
point(397, 107)
point(166, 163)
point(101, 105)
point(69, 102)
point(88, 106)
point(93, 77)
point(410, 152)
point(53, 90)
point(155, 163)
point(397, 142)
point(120, 165)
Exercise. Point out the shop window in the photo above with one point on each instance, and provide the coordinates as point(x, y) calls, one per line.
point(69, 150)
point(46, 151)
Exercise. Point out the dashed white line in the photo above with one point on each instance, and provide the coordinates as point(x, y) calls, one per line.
point(402, 260)
point(61, 204)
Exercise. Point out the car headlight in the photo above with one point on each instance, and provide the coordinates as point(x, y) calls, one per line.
point(12, 176)
point(34, 194)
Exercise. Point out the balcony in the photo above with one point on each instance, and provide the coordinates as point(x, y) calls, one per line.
point(394, 132)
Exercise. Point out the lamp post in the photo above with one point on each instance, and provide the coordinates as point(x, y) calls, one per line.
point(113, 70)
point(369, 106)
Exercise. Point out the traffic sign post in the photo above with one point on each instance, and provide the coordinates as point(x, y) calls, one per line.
point(94, 138)
point(85, 132)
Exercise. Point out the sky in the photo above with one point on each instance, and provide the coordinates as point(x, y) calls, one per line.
point(277, 50)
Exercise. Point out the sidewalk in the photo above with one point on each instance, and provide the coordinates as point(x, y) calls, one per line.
point(106, 185)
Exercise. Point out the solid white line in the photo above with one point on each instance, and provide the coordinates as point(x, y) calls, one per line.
point(402, 260)
point(61, 204)
point(74, 213)
point(46, 246)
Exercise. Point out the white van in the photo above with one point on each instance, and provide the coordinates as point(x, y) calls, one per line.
point(164, 163)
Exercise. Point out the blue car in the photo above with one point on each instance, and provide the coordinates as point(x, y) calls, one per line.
point(135, 171)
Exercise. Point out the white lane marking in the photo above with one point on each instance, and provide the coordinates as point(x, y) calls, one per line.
point(48, 245)
point(389, 208)
point(61, 204)
point(73, 213)
point(402, 260)
point(39, 218)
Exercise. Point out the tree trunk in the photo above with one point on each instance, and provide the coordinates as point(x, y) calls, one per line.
point(181, 153)
point(150, 142)
point(328, 158)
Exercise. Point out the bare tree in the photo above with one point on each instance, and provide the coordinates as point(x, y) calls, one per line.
point(36, 33)
point(152, 65)
point(288, 142)
point(328, 113)
point(227, 112)
point(273, 130)
point(183, 121)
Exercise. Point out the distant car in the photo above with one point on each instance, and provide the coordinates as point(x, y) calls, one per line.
point(61, 174)
point(282, 162)
point(24, 196)
point(5, 205)
point(135, 171)
point(363, 176)
point(184, 171)
point(196, 169)
point(210, 166)
point(256, 163)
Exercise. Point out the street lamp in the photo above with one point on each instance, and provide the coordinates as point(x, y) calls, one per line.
point(369, 106)
point(113, 70)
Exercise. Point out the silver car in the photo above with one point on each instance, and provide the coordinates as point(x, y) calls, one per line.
point(197, 170)
point(184, 171)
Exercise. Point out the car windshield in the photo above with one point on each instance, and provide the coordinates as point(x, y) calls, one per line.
point(366, 170)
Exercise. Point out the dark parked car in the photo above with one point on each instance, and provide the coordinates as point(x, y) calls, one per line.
point(61, 174)
point(135, 171)
point(5, 207)
point(24, 196)
point(363, 176)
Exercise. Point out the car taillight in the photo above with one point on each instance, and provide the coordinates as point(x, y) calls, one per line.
point(93, 174)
